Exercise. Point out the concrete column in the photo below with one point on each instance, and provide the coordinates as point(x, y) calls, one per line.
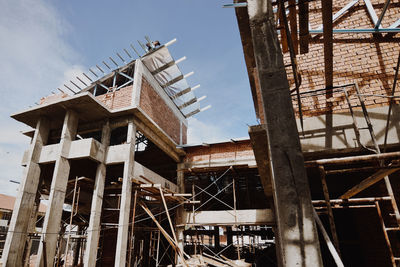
point(52, 220)
point(126, 195)
point(32, 226)
point(92, 240)
point(25, 201)
point(179, 214)
point(297, 233)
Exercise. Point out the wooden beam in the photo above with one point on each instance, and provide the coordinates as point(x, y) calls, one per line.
point(329, 208)
point(328, 241)
point(371, 180)
point(353, 159)
point(384, 229)
point(282, 28)
point(327, 22)
point(293, 25)
point(303, 26)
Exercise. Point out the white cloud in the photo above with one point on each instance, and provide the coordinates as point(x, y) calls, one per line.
point(199, 132)
point(35, 60)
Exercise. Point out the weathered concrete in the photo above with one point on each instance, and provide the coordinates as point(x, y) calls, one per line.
point(25, 201)
point(297, 234)
point(145, 175)
point(227, 217)
point(126, 195)
point(32, 227)
point(343, 134)
point(97, 202)
point(52, 220)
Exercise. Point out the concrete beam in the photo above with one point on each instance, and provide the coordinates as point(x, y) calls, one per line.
point(167, 146)
point(297, 236)
point(52, 220)
point(143, 174)
point(259, 141)
point(92, 241)
point(25, 201)
point(126, 195)
point(227, 217)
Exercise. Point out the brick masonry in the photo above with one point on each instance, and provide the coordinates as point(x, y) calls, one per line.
point(156, 108)
point(118, 99)
point(228, 151)
point(366, 59)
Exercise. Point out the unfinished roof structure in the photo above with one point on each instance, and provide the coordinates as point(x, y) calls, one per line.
point(315, 185)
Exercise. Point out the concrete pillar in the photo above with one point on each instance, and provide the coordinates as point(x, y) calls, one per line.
point(126, 195)
point(25, 201)
point(52, 220)
point(32, 226)
point(297, 233)
point(93, 230)
point(179, 214)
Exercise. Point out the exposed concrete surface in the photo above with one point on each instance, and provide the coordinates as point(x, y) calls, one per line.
point(343, 133)
point(228, 217)
point(25, 201)
point(52, 220)
point(126, 195)
point(297, 236)
point(92, 240)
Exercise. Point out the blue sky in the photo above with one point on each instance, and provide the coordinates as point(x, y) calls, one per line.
point(46, 43)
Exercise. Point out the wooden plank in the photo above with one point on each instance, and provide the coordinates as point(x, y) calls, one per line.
point(172, 228)
point(328, 241)
point(353, 159)
point(293, 25)
point(371, 180)
point(378, 209)
point(329, 208)
point(166, 235)
point(282, 28)
point(327, 22)
point(303, 26)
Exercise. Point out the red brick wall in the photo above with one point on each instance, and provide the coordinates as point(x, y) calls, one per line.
point(118, 99)
point(363, 58)
point(226, 151)
point(156, 108)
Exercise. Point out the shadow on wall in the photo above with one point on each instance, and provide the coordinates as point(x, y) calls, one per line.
point(343, 133)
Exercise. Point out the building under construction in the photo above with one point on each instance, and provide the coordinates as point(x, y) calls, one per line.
point(316, 183)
